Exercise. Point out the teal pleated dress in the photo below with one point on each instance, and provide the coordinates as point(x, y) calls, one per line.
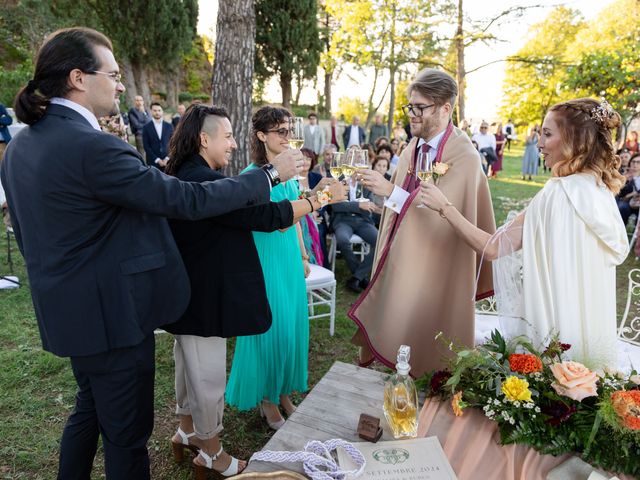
point(276, 362)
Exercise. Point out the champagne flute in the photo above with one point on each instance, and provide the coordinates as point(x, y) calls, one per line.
point(347, 164)
point(336, 165)
point(423, 169)
point(297, 136)
point(361, 162)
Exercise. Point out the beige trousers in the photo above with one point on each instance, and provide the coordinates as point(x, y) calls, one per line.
point(201, 379)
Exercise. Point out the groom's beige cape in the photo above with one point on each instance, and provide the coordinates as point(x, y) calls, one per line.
point(423, 279)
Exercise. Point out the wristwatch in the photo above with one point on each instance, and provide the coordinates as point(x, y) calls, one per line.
point(272, 173)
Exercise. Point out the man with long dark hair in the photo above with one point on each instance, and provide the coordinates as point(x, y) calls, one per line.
point(103, 267)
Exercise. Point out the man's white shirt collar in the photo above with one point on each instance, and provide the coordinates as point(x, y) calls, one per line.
point(89, 117)
point(433, 143)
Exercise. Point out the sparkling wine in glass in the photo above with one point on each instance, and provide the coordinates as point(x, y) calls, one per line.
point(423, 169)
point(336, 164)
point(297, 136)
point(361, 162)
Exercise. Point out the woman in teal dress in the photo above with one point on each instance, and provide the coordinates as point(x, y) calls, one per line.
point(267, 368)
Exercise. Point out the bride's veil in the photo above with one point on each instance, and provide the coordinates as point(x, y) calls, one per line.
point(507, 276)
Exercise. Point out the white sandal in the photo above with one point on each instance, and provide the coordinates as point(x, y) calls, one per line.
point(201, 470)
point(178, 448)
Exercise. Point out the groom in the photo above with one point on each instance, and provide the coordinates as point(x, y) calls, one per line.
point(424, 275)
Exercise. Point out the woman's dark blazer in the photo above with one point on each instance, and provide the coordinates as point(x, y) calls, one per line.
point(228, 295)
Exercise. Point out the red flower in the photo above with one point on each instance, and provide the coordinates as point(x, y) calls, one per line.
point(627, 405)
point(524, 363)
point(438, 380)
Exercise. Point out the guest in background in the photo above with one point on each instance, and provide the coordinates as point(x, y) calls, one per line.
point(381, 164)
point(334, 133)
point(138, 118)
point(395, 150)
point(223, 267)
point(500, 141)
point(628, 199)
point(155, 138)
point(353, 134)
point(531, 157)
point(313, 135)
point(466, 128)
point(5, 136)
point(179, 114)
point(352, 217)
point(625, 156)
point(267, 368)
point(487, 146)
point(371, 152)
point(398, 132)
point(378, 129)
point(380, 141)
point(509, 133)
point(323, 167)
point(632, 142)
point(310, 223)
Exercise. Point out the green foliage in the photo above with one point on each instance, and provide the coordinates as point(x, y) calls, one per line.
point(13, 80)
point(197, 67)
point(350, 107)
point(287, 39)
point(535, 75)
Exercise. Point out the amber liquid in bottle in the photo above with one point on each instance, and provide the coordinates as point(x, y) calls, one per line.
point(401, 399)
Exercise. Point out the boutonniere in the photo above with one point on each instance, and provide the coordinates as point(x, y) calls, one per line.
point(438, 170)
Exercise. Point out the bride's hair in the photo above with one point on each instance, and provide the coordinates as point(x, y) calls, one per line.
point(585, 126)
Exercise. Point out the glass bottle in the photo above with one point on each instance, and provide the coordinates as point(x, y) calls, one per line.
point(401, 398)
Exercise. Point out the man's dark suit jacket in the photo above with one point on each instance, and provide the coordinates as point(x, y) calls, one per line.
point(156, 147)
point(137, 120)
point(228, 294)
point(347, 134)
point(89, 220)
point(347, 212)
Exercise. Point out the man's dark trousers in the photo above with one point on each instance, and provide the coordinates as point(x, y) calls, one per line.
point(115, 399)
point(366, 230)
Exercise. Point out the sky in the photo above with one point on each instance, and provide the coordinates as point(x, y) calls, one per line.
point(484, 87)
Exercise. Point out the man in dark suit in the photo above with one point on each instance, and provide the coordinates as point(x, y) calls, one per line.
point(103, 267)
point(356, 217)
point(138, 118)
point(179, 114)
point(155, 138)
point(353, 134)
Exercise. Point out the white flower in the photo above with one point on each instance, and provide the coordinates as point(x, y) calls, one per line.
point(512, 421)
point(537, 409)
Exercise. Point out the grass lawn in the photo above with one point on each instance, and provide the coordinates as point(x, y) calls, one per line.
point(37, 389)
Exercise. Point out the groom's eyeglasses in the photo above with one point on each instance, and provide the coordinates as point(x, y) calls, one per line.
point(416, 110)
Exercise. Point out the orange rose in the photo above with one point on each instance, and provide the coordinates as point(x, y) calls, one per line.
point(574, 380)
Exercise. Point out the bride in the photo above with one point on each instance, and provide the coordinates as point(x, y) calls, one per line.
point(570, 238)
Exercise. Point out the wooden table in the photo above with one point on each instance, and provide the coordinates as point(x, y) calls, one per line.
point(330, 410)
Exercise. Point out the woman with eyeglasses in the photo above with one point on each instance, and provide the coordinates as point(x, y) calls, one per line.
point(228, 295)
point(267, 368)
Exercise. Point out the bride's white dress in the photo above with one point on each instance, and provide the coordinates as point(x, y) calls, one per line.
point(572, 240)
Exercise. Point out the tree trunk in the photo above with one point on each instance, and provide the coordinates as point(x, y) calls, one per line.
point(460, 70)
point(298, 89)
point(232, 81)
point(129, 81)
point(327, 93)
point(173, 81)
point(392, 101)
point(142, 83)
point(285, 85)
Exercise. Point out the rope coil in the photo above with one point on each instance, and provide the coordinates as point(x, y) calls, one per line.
point(316, 458)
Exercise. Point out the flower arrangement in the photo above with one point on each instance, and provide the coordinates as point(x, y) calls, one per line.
point(543, 400)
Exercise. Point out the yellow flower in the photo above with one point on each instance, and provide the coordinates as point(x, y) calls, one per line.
point(516, 389)
point(457, 404)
